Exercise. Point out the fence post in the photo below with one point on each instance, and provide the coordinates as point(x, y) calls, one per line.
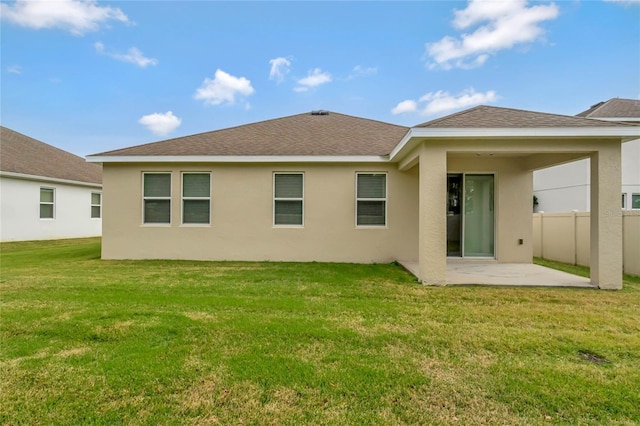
point(575, 236)
point(541, 234)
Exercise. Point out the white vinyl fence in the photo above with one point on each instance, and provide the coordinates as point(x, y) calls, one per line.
point(565, 237)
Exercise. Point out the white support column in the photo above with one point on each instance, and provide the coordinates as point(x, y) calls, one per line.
point(606, 218)
point(432, 251)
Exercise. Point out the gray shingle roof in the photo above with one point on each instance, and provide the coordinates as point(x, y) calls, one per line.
point(305, 134)
point(25, 155)
point(614, 108)
point(495, 117)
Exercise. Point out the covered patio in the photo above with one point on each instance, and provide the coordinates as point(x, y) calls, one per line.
point(493, 245)
point(505, 274)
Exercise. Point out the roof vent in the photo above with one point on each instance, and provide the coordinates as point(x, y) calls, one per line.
point(320, 112)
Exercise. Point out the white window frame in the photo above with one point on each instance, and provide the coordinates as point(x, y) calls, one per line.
point(157, 198)
point(96, 205)
point(51, 203)
point(636, 194)
point(385, 199)
point(183, 198)
point(287, 199)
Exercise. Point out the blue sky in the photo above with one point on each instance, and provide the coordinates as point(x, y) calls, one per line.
point(91, 76)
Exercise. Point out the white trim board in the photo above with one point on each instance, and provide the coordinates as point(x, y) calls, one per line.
point(37, 178)
point(237, 159)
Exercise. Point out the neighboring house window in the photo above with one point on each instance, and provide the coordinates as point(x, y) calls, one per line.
point(157, 197)
point(47, 199)
point(635, 201)
point(371, 199)
point(96, 205)
point(288, 199)
point(196, 198)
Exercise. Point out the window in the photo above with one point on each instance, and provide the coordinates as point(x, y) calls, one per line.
point(288, 199)
point(635, 201)
point(96, 204)
point(157, 197)
point(371, 199)
point(196, 198)
point(47, 197)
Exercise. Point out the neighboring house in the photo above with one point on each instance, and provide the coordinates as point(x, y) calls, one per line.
point(45, 192)
point(336, 188)
point(567, 187)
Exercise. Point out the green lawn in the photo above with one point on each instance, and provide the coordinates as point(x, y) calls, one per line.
point(86, 341)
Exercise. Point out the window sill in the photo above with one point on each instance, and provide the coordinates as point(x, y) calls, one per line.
point(195, 225)
point(372, 227)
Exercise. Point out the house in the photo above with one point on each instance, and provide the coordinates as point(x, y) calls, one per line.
point(324, 186)
point(45, 192)
point(566, 187)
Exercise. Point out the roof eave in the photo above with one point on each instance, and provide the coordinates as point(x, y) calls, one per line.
point(25, 176)
point(237, 158)
point(617, 119)
point(405, 144)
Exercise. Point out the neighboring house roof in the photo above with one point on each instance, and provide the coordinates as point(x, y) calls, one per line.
point(495, 117)
point(310, 134)
point(23, 155)
point(614, 108)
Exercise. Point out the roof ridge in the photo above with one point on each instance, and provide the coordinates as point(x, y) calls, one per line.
point(269, 120)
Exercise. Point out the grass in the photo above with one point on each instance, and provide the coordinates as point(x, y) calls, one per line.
point(583, 271)
point(86, 341)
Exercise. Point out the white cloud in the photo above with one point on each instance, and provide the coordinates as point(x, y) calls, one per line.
point(133, 56)
point(160, 124)
point(279, 68)
point(440, 102)
point(504, 24)
point(75, 16)
point(14, 69)
point(359, 70)
point(404, 107)
point(223, 88)
point(314, 78)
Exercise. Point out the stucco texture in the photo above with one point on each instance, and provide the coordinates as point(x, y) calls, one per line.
point(242, 216)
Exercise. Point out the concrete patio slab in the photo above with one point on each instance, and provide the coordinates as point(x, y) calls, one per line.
point(506, 274)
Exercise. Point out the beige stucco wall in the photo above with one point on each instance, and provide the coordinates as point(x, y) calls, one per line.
point(242, 216)
point(513, 201)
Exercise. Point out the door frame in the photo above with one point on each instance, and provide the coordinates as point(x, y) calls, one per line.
point(463, 221)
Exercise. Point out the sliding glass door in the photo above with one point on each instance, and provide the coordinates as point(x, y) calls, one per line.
point(470, 215)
